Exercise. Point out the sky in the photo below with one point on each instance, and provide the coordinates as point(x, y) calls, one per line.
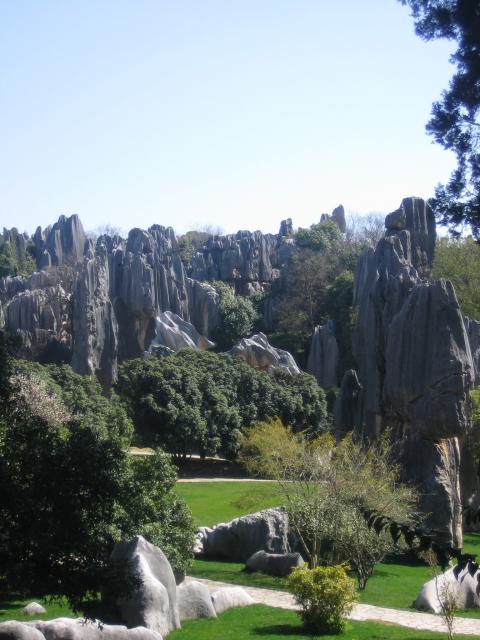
point(232, 113)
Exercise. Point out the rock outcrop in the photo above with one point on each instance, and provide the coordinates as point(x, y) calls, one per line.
point(194, 601)
point(230, 597)
point(337, 216)
point(239, 539)
point(152, 592)
point(274, 564)
point(72, 629)
point(260, 354)
point(323, 355)
point(174, 333)
point(464, 589)
point(473, 331)
point(64, 243)
point(414, 363)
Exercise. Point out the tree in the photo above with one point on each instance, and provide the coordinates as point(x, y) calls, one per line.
point(69, 488)
point(326, 487)
point(199, 402)
point(237, 317)
point(458, 260)
point(323, 236)
point(455, 122)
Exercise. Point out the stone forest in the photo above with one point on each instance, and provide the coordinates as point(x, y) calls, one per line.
point(360, 442)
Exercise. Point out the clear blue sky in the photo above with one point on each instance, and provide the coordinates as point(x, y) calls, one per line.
point(236, 113)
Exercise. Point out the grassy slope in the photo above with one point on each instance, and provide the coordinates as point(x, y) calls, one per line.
point(258, 621)
point(214, 502)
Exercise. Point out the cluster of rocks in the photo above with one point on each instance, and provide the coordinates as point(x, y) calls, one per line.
point(263, 540)
point(415, 366)
point(94, 303)
point(152, 605)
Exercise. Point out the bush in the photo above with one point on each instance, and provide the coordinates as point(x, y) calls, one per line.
point(237, 317)
point(326, 595)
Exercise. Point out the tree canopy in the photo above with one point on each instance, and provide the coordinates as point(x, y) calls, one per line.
point(199, 402)
point(69, 488)
point(455, 121)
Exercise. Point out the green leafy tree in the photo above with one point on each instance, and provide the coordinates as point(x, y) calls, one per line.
point(327, 487)
point(237, 317)
point(458, 260)
point(69, 488)
point(455, 122)
point(199, 402)
point(16, 254)
point(323, 236)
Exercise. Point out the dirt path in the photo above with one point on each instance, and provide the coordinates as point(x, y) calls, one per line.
point(410, 619)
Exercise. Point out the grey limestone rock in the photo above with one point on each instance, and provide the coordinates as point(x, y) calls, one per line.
point(194, 601)
point(175, 334)
point(323, 355)
point(337, 216)
point(62, 244)
point(414, 363)
point(33, 609)
point(153, 602)
point(464, 589)
point(81, 629)
point(259, 353)
point(239, 539)
point(473, 332)
point(274, 564)
point(13, 630)
point(230, 597)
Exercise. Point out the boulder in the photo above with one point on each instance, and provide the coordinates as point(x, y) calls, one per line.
point(82, 629)
point(13, 630)
point(260, 354)
point(175, 334)
point(194, 601)
point(323, 355)
point(464, 590)
point(33, 609)
point(239, 539)
point(230, 597)
point(473, 332)
point(152, 602)
point(274, 564)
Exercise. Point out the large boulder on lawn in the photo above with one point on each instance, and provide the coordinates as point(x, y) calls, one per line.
point(230, 597)
point(152, 599)
point(13, 630)
point(194, 601)
point(81, 629)
point(33, 609)
point(239, 539)
point(464, 587)
point(274, 564)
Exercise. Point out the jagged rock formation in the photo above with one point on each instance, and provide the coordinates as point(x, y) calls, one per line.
point(323, 355)
point(337, 216)
point(260, 354)
point(473, 331)
point(38, 309)
point(174, 333)
point(414, 363)
point(250, 261)
point(62, 244)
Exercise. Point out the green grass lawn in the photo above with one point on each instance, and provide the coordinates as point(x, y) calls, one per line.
point(259, 621)
point(215, 502)
point(11, 608)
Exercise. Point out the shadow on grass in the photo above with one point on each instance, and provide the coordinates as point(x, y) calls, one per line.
point(282, 630)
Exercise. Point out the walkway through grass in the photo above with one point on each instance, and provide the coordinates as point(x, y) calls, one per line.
point(259, 621)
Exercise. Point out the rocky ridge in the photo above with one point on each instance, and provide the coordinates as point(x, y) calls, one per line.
point(415, 365)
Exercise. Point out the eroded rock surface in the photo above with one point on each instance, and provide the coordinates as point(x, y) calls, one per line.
point(259, 353)
point(174, 333)
point(152, 602)
point(414, 361)
point(323, 355)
